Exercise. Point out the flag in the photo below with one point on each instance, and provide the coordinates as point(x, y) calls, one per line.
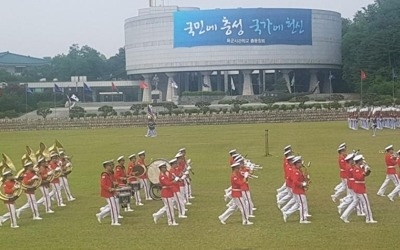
point(86, 88)
point(114, 88)
point(74, 97)
point(363, 75)
point(293, 80)
point(143, 85)
point(232, 84)
point(205, 85)
point(57, 89)
point(29, 91)
point(174, 85)
point(331, 76)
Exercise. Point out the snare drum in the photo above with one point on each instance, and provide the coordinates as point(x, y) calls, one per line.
point(135, 186)
point(124, 196)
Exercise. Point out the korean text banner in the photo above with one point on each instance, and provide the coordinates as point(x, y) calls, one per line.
point(242, 27)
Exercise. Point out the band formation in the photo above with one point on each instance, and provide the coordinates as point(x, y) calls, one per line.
point(373, 118)
point(46, 170)
point(169, 181)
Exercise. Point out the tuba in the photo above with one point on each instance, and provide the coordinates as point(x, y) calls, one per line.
point(25, 160)
point(6, 164)
point(304, 170)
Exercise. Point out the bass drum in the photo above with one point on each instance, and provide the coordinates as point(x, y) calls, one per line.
point(153, 172)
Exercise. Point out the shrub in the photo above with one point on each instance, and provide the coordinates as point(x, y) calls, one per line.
point(203, 93)
point(126, 113)
point(302, 98)
point(92, 115)
point(336, 97)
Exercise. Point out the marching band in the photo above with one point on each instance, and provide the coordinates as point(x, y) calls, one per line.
point(39, 171)
point(373, 117)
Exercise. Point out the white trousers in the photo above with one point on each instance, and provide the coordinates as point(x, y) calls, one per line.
point(286, 197)
point(145, 185)
point(237, 203)
point(248, 202)
point(56, 192)
point(45, 200)
point(364, 202)
point(389, 177)
point(65, 185)
point(167, 208)
point(111, 208)
point(342, 187)
point(301, 200)
point(11, 215)
point(179, 201)
point(31, 202)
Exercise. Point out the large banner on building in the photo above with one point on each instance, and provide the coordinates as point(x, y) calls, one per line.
point(242, 27)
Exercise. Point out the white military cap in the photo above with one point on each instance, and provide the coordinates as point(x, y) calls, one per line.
point(286, 148)
point(236, 164)
point(182, 149)
point(290, 157)
point(131, 156)
point(108, 162)
point(358, 157)
point(349, 157)
point(172, 161)
point(341, 148)
point(179, 154)
point(389, 147)
point(162, 165)
point(232, 151)
point(342, 145)
point(141, 153)
point(287, 152)
point(296, 159)
point(120, 158)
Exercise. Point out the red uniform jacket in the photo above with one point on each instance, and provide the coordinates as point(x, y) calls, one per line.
point(106, 183)
point(53, 165)
point(350, 178)
point(44, 174)
point(141, 162)
point(288, 175)
point(245, 186)
point(119, 174)
point(298, 179)
point(130, 171)
point(390, 164)
point(342, 166)
point(359, 180)
point(166, 184)
point(176, 172)
point(237, 182)
point(8, 187)
point(27, 181)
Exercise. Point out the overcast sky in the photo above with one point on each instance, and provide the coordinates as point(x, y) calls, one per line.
point(42, 28)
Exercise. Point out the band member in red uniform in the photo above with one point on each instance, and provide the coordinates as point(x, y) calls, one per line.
point(45, 172)
point(237, 182)
point(288, 197)
point(144, 180)
point(183, 174)
point(188, 181)
point(391, 162)
point(167, 194)
point(107, 190)
point(299, 185)
point(65, 163)
point(9, 186)
point(55, 165)
point(342, 187)
point(283, 191)
point(29, 178)
point(121, 177)
point(133, 181)
point(360, 171)
point(246, 188)
point(176, 173)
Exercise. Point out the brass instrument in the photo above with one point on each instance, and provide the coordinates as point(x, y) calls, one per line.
point(304, 170)
point(5, 164)
point(37, 181)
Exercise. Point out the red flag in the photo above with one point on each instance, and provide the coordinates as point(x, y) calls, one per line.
point(114, 88)
point(363, 75)
point(143, 85)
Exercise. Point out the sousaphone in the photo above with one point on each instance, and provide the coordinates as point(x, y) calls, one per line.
point(6, 164)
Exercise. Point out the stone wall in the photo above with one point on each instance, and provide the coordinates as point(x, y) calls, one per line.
point(175, 120)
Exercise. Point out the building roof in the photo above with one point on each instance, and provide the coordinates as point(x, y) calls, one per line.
point(11, 59)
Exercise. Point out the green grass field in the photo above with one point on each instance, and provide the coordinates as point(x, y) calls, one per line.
point(76, 227)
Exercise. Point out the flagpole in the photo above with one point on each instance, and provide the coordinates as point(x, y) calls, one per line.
point(393, 75)
point(55, 108)
point(26, 98)
point(361, 94)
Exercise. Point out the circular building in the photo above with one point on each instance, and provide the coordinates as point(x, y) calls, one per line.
point(188, 49)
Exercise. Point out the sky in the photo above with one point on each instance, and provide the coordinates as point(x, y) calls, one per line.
point(46, 28)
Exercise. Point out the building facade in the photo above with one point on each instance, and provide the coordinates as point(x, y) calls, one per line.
point(190, 49)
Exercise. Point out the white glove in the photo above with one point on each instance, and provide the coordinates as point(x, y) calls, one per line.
point(176, 178)
point(57, 169)
point(50, 172)
point(69, 164)
point(189, 167)
point(246, 174)
point(183, 177)
point(186, 172)
point(304, 183)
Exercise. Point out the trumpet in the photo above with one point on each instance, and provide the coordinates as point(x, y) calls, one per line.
point(307, 179)
point(248, 175)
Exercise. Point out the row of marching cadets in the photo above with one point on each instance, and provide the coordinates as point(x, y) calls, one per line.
point(368, 117)
point(120, 185)
point(238, 194)
point(291, 196)
point(44, 170)
point(176, 191)
point(353, 171)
